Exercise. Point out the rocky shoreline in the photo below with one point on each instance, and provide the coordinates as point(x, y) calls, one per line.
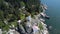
point(41, 20)
point(35, 23)
point(23, 17)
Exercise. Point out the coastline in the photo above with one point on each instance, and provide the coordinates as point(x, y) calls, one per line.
point(27, 24)
point(45, 31)
point(38, 20)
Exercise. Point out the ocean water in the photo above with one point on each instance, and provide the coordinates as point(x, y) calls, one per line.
point(54, 12)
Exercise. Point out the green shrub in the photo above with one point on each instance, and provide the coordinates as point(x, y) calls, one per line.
point(1, 24)
point(22, 16)
point(6, 28)
point(40, 26)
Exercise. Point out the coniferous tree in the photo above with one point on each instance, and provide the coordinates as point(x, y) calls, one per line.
point(9, 10)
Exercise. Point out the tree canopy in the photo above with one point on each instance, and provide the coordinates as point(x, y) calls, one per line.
point(11, 10)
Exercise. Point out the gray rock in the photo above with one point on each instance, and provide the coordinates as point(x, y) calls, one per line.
point(0, 31)
point(21, 29)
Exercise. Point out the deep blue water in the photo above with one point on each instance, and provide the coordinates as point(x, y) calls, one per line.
point(54, 12)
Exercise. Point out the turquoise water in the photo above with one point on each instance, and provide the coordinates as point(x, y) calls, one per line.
point(54, 12)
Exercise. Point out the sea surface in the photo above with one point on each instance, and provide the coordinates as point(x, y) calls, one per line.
point(54, 12)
